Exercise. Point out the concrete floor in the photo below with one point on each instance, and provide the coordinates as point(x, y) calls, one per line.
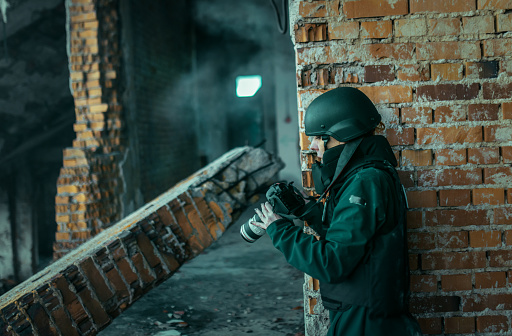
point(234, 288)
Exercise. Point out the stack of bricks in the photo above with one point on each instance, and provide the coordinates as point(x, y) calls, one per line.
point(82, 292)
point(89, 184)
point(440, 74)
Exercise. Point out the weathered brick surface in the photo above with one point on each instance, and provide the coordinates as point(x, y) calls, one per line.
point(83, 291)
point(446, 67)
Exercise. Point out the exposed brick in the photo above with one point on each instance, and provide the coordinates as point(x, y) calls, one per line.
point(343, 30)
point(452, 240)
point(392, 51)
point(40, 319)
point(449, 91)
point(497, 90)
point(507, 110)
point(446, 71)
point(456, 282)
point(447, 50)
point(374, 8)
point(485, 238)
point(63, 322)
point(456, 218)
point(441, 6)
point(503, 216)
point(407, 178)
point(497, 133)
point(504, 22)
point(506, 152)
point(422, 199)
point(416, 115)
point(506, 66)
point(450, 113)
point(480, 302)
point(483, 155)
point(483, 112)
point(410, 27)
point(449, 177)
point(423, 283)
point(488, 196)
point(376, 29)
point(421, 240)
point(316, 55)
point(414, 219)
point(98, 283)
point(312, 9)
point(498, 47)
point(449, 135)
point(498, 175)
point(455, 197)
point(147, 249)
point(492, 323)
point(444, 26)
point(98, 314)
point(417, 157)
point(311, 32)
point(412, 72)
point(378, 73)
point(459, 325)
point(450, 157)
point(490, 280)
point(480, 70)
point(478, 24)
point(453, 260)
point(494, 4)
point(413, 261)
point(431, 326)
point(500, 258)
point(388, 94)
point(431, 304)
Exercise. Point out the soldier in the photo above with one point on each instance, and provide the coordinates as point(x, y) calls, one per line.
point(361, 257)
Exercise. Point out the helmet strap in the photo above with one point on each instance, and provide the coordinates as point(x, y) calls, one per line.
point(325, 138)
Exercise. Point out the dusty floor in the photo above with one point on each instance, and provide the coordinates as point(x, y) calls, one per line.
point(234, 288)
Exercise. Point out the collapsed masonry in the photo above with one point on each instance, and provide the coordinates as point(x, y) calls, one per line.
point(81, 293)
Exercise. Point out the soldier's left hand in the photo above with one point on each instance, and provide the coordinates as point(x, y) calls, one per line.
point(267, 215)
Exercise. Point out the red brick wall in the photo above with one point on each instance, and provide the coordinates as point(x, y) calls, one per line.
point(440, 74)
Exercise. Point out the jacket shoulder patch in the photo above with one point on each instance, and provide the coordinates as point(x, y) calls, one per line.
point(357, 200)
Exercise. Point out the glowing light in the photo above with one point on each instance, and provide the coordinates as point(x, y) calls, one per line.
point(247, 86)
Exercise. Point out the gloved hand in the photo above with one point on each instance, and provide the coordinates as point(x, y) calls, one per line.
point(267, 216)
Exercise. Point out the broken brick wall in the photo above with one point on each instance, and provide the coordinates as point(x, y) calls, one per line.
point(133, 139)
point(82, 292)
point(440, 74)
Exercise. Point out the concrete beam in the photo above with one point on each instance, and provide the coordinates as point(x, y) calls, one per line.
point(81, 293)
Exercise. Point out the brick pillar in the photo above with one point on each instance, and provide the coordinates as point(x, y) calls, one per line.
point(82, 292)
point(440, 74)
point(89, 185)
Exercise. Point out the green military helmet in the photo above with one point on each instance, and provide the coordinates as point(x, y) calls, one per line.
point(344, 113)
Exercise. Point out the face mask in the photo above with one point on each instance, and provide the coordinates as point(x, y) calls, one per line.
point(324, 173)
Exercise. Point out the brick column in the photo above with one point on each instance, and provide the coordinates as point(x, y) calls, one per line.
point(84, 290)
point(89, 185)
point(440, 74)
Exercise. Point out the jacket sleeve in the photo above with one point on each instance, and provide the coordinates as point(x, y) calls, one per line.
point(360, 210)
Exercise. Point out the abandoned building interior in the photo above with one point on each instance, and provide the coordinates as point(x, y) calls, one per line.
point(134, 134)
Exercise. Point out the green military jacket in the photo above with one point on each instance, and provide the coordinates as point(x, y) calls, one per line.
point(345, 239)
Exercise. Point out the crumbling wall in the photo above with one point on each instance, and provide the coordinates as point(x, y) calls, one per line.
point(84, 290)
point(440, 74)
point(90, 184)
